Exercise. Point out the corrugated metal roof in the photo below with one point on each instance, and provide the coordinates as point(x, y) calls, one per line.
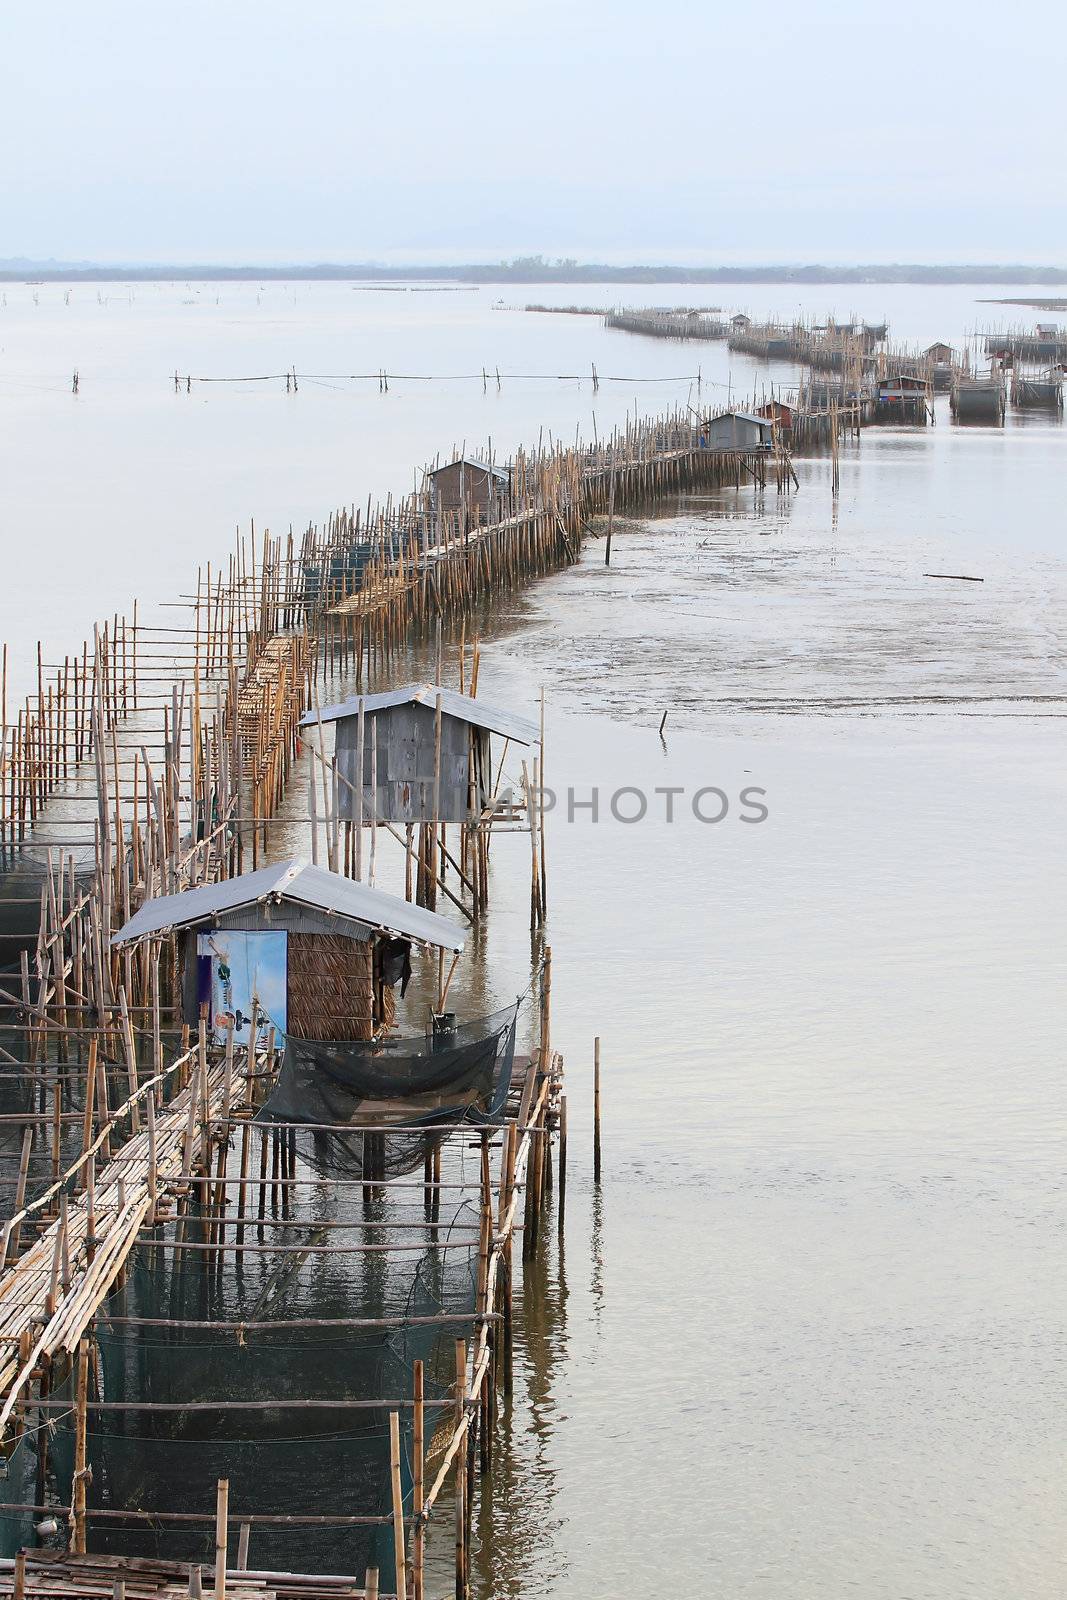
point(304, 884)
point(472, 461)
point(741, 416)
point(507, 723)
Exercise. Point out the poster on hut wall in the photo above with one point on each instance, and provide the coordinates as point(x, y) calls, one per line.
point(247, 975)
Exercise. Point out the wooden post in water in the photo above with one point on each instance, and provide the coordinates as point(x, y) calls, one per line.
point(435, 843)
point(596, 1109)
point(611, 506)
point(561, 1204)
point(418, 1487)
point(81, 1398)
point(399, 1547)
point(461, 1473)
point(222, 1506)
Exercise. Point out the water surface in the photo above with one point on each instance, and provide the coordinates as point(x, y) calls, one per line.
point(807, 1339)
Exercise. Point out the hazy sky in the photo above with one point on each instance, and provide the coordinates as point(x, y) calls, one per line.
point(340, 130)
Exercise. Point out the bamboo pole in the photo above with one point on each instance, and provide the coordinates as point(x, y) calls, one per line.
point(399, 1543)
point(221, 1533)
point(596, 1109)
point(561, 1203)
point(461, 1472)
point(80, 1416)
point(418, 1488)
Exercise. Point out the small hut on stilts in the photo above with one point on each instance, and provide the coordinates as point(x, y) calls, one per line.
point(421, 758)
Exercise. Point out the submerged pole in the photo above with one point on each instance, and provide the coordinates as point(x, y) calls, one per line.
point(596, 1109)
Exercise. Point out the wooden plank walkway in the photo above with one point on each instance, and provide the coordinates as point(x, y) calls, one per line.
point(48, 1573)
point(53, 1291)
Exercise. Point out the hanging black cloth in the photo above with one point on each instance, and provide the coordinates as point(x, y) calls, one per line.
point(393, 962)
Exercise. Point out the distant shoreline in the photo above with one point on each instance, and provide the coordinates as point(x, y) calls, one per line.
point(529, 270)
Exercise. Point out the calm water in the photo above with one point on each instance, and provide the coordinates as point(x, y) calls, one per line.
point(807, 1341)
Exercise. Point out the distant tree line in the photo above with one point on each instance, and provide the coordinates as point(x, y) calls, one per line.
point(527, 269)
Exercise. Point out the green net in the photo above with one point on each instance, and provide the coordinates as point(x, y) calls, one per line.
point(282, 1456)
point(18, 1481)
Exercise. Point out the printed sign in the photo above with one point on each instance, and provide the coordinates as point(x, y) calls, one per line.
point(248, 976)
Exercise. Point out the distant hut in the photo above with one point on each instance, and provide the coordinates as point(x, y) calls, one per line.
point(941, 359)
point(298, 949)
point(404, 777)
point(738, 430)
point(778, 413)
point(470, 490)
point(902, 397)
point(739, 322)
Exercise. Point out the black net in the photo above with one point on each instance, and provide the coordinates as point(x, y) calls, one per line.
point(276, 1361)
point(355, 1286)
point(18, 1481)
point(462, 1076)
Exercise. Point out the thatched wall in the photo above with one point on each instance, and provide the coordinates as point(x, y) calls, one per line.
point(331, 987)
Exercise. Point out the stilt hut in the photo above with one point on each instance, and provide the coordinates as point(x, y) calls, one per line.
point(425, 754)
point(293, 948)
point(902, 397)
point(778, 413)
point(942, 362)
point(738, 430)
point(469, 491)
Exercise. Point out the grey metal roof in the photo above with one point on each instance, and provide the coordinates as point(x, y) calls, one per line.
point(507, 723)
point(741, 416)
point(472, 461)
point(304, 884)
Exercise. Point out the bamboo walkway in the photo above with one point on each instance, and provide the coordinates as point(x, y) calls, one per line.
point(51, 1294)
point(53, 1575)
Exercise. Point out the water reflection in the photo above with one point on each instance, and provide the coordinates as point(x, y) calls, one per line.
point(520, 1547)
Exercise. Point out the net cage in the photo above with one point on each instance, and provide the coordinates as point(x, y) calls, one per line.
point(308, 1435)
point(296, 1415)
point(418, 1085)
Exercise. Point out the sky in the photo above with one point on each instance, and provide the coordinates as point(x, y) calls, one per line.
point(232, 131)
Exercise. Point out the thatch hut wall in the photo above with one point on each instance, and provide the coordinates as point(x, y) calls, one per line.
point(331, 987)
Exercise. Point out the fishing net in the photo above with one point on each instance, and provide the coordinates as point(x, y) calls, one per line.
point(18, 1479)
point(460, 1076)
point(309, 1434)
point(277, 1365)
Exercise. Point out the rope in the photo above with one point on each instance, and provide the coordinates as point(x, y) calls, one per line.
point(447, 377)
